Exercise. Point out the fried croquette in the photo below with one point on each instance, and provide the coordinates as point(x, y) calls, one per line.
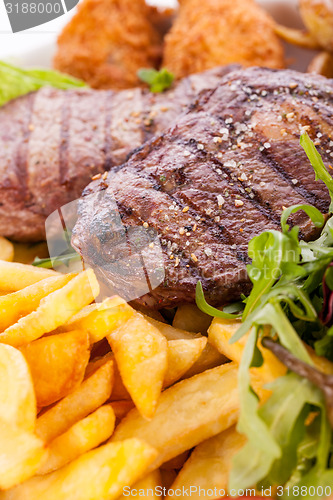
point(107, 42)
point(209, 33)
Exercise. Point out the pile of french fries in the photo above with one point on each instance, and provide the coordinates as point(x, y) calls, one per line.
point(99, 401)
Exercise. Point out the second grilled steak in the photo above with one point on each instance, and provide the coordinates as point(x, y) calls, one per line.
point(218, 177)
point(53, 141)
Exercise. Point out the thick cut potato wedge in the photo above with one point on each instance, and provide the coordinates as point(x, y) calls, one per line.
point(27, 252)
point(57, 364)
point(17, 304)
point(148, 487)
point(141, 353)
point(101, 319)
point(6, 250)
point(14, 276)
point(100, 474)
point(17, 396)
point(84, 436)
point(220, 333)
point(188, 413)
point(89, 396)
point(209, 464)
point(210, 356)
point(21, 454)
point(188, 317)
point(54, 310)
point(182, 354)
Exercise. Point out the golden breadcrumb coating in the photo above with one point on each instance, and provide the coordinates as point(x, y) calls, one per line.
point(209, 33)
point(107, 42)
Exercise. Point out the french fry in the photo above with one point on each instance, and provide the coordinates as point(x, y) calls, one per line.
point(219, 334)
point(83, 436)
point(6, 250)
point(54, 310)
point(17, 304)
point(141, 353)
point(148, 487)
point(89, 396)
point(100, 474)
point(17, 396)
point(209, 464)
point(210, 356)
point(14, 276)
point(182, 354)
point(188, 317)
point(187, 413)
point(27, 252)
point(21, 454)
point(57, 364)
point(100, 319)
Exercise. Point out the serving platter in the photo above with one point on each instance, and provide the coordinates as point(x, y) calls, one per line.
point(35, 47)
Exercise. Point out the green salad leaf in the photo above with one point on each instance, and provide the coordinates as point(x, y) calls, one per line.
point(291, 301)
point(158, 81)
point(15, 82)
point(317, 164)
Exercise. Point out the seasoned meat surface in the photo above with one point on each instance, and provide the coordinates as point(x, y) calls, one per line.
point(54, 141)
point(219, 176)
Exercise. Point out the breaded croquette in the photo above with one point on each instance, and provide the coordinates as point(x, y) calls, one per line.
point(209, 33)
point(107, 42)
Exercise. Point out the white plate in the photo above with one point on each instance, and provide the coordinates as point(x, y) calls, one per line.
point(35, 47)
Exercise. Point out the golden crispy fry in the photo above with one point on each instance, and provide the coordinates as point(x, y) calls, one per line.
point(17, 304)
point(85, 435)
point(100, 474)
point(91, 394)
point(219, 334)
point(54, 310)
point(21, 454)
point(188, 317)
point(6, 250)
point(210, 463)
point(100, 319)
point(17, 396)
point(188, 413)
point(146, 486)
point(119, 391)
point(182, 354)
point(141, 353)
point(322, 64)
point(14, 276)
point(210, 356)
point(104, 53)
point(57, 364)
point(27, 252)
point(121, 408)
point(219, 32)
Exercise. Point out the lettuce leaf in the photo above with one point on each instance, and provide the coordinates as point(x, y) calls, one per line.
point(15, 82)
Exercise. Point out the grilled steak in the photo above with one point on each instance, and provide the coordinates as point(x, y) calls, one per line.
point(218, 177)
point(54, 141)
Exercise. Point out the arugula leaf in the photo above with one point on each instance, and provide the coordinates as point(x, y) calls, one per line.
point(158, 81)
point(314, 214)
point(15, 82)
point(317, 164)
point(206, 308)
point(50, 263)
point(261, 447)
